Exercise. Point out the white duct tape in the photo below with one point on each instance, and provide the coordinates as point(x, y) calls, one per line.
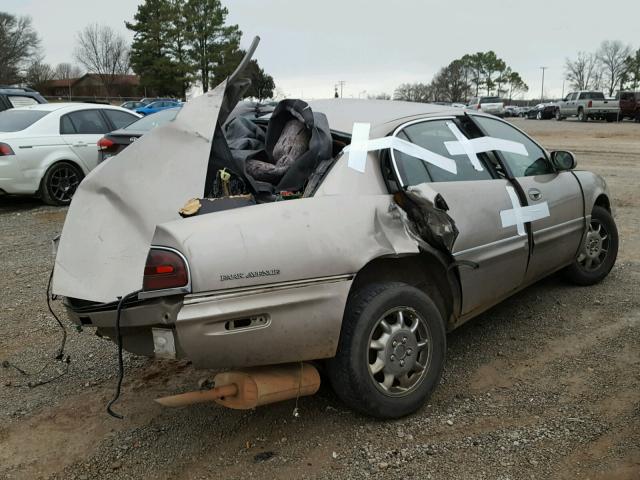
point(361, 144)
point(520, 215)
point(464, 146)
point(464, 143)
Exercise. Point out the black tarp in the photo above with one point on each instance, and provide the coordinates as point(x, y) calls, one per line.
point(244, 140)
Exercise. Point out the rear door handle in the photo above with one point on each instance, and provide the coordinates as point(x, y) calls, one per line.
point(79, 144)
point(534, 194)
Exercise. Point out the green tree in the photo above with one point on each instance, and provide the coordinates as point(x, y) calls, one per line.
point(208, 38)
point(516, 84)
point(633, 70)
point(151, 47)
point(475, 65)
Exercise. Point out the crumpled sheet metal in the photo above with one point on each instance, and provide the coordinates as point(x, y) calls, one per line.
point(109, 226)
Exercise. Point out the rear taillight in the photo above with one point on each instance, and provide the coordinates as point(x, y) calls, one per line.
point(478, 107)
point(590, 104)
point(164, 269)
point(5, 150)
point(105, 144)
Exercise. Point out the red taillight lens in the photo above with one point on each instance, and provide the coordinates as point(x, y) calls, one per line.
point(478, 107)
point(105, 144)
point(164, 269)
point(5, 150)
point(590, 104)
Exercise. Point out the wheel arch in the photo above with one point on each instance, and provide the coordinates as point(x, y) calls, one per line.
point(603, 201)
point(426, 271)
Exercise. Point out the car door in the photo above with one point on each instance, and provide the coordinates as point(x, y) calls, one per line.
point(81, 130)
point(556, 237)
point(492, 259)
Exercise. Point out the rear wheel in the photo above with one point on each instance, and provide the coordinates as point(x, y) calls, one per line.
point(557, 115)
point(391, 351)
point(582, 116)
point(598, 252)
point(60, 183)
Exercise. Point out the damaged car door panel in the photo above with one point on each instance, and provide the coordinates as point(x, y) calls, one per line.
point(366, 268)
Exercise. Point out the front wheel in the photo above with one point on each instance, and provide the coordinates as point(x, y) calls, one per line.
point(391, 351)
point(598, 252)
point(558, 116)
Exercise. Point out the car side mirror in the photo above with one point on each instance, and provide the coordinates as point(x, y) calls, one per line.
point(563, 160)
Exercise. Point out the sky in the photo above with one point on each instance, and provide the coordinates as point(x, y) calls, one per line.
point(375, 45)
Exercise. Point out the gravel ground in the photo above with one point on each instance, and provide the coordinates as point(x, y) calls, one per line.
point(545, 385)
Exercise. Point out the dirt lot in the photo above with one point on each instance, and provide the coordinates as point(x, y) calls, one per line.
point(546, 385)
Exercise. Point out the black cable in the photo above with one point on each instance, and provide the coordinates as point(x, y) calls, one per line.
point(60, 353)
point(121, 302)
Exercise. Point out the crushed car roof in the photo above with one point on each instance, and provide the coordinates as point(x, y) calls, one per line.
point(343, 113)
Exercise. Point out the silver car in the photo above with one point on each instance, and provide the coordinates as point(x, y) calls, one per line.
point(416, 219)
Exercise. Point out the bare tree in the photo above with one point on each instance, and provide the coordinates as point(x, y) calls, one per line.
point(104, 52)
point(67, 71)
point(413, 92)
point(582, 72)
point(19, 44)
point(39, 74)
point(612, 56)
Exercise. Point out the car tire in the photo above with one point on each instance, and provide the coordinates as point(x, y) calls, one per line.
point(598, 252)
point(60, 183)
point(539, 116)
point(582, 116)
point(378, 320)
point(558, 116)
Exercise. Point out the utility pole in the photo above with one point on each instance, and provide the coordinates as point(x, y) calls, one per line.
point(341, 83)
point(542, 90)
point(562, 89)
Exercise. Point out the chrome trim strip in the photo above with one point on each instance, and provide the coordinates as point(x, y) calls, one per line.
point(490, 244)
point(168, 291)
point(267, 288)
point(558, 225)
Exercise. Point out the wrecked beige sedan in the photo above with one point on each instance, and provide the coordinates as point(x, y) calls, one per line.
point(343, 235)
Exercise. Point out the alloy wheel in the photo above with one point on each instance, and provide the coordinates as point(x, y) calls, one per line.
point(595, 247)
point(399, 351)
point(63, 182)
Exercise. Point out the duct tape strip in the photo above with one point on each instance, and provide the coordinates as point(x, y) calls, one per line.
point(467, 146)
point(361, 144)
point(520, 215)
point(479, 145)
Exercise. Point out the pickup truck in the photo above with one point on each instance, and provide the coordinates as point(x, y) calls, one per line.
point(629, 103)
point(586, 104)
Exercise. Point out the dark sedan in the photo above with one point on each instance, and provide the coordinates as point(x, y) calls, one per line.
point(542, 111)
point(113, 143)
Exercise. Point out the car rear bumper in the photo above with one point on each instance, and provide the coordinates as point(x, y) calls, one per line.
point(278, 323)
point(13, 180)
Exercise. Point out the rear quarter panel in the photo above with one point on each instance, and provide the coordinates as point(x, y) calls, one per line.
point(285, 241)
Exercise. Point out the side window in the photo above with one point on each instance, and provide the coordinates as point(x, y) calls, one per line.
point(120, 119)
point(583, 96)
point(431, 135)
point(85, 122)
point(573, 96)
point(535, 163)
point(66, 127)
point(20, 101)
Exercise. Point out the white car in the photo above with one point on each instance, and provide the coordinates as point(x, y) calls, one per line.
point(491, 105)
point(47, 149)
